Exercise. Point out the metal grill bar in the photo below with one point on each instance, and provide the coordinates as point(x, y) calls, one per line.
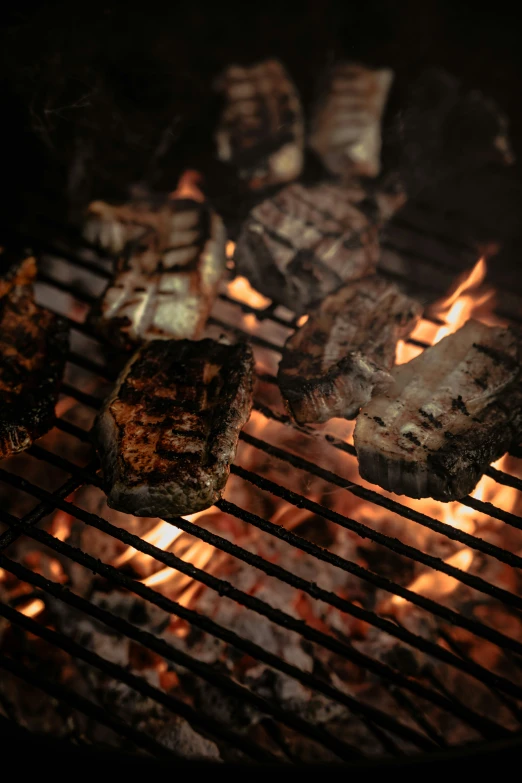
point(210, 626)
point(86, 706)
point(373, 497)
point(291, 538)
point(285, 620)
point(163, 648)
point(138, 684)
point(396, 683)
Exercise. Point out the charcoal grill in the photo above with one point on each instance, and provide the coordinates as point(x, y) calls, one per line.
point(393, 729)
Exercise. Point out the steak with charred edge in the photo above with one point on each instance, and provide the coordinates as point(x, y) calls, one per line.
point(305, 242)
point(33, 349)
point(169, 431)
point(165, 281)
point(261, 131)
point(450, 412)
point(333, 364)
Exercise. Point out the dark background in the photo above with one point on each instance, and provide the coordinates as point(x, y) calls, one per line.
point(101, 95)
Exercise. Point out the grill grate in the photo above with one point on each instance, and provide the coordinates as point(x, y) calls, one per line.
point(408, 726)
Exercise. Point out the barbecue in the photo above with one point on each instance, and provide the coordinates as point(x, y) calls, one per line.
point(169, 431)
point(33, 349)
point(307, 615)
point(261, 130)
point(333, 364)
point(303, 243)
point(449, 414)
point(346, 127)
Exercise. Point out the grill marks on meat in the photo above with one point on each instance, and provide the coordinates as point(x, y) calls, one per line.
point(33, 348)
point(112, 227)
point(261, 130)
point(168, 433)
point(346, 126)
point(333, 364)
point(305, 242)
point(450, 412)
point(165, 282)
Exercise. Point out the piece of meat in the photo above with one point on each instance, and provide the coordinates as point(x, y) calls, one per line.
point(33, 349)
point(113, 226)
point(342, 355)
point(168, 433)
point(305, 242)
point(165, 282)
point(261, 131)
point(450, 412)
point(346, 125)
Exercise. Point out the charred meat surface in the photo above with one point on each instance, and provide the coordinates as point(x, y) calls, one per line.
point(166, 281)
point(305, 242)
point(261, 131)
point(333, 364)
point(113, 226)
point(346, 126)
point(168, 433)
point(33, 348)
point(450, 412)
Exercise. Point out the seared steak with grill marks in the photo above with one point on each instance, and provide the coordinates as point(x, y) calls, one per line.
point(450, 412)
point(346, 126)
point(343, 353)
point(304, 243)
point(261, 130)
point(168, 433)
point(166, 281)
point(33, 348)
point(113, 226)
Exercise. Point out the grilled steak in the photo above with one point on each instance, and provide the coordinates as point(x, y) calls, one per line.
point(451, 412)
point(346, 126)
point(112, 227)
point(261, 130)
point(33, 347)
point(166, 281)
point(169, 431)
point(304, 243)
point(343, 353)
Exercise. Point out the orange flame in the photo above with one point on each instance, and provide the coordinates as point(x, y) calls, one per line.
point(33, 608)
point(240, 289)
point(468, 299)
point(188, 186)
point(435, 584)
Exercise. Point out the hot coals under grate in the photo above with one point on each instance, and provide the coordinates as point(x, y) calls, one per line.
point(309, 616)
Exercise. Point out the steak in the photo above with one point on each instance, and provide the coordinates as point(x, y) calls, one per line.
point(165, 281)
point(113, 226)
point(33, 349)
point(346, 125)
point(305, 242)
point(261, 131)
point(450, 412)
point(169, 431)
point(333, 364)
